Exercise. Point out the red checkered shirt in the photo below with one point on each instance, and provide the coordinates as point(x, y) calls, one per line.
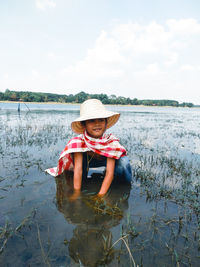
point(108, 146)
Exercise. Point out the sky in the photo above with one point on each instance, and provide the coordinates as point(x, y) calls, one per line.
point(144, 49)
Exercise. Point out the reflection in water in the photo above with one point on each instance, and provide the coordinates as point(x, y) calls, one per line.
point(94, 218)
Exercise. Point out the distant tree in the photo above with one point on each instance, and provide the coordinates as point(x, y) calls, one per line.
point(70, 98)
point(13, 96)
point(7, 94)
point(190, 105)
point(25, 97)
point(134, 101)
point(103, 98)
point(184, 104)
point(128, 101)
point(46, 98)
point(82, 96)
point(61, 100)
point(121, 100)
point(112, 99)
point(1, 96)
point(37, 98)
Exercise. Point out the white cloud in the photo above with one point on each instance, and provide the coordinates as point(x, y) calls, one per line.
point(52, 56)
point(145, 57)
point(35, 73)
point(152, 69)
point(43, 4)
point(135, 48)
point(140, 39)
point(104, 60)
point(172, 59)
point(106, 50)
point(183, 26)
point(188, 67)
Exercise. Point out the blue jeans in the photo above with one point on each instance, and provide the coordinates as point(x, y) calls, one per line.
point(122, 173)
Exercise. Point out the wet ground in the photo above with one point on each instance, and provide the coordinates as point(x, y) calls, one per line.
point(155, 222)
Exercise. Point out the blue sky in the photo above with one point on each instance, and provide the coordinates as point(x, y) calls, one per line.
point(145, 49)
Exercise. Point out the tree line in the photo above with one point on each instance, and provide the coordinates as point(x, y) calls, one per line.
point(26, 96)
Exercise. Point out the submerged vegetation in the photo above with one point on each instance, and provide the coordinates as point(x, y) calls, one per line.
point(156, 222)
point(26, 96)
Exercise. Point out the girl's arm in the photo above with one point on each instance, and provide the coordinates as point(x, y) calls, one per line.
point(78, 170)
point(110, 167)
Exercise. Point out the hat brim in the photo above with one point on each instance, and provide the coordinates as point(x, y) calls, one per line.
point(112, 118)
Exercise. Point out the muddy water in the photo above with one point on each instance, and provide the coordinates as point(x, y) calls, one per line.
point(155, 222)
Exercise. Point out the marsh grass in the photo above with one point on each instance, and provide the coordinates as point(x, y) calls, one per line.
point(157, 225)
point(100, 206)
point(7, 231)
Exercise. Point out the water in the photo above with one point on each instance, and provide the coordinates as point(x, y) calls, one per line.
point(158, 217)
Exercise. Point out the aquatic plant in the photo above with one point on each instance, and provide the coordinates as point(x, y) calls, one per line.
point(101, 206)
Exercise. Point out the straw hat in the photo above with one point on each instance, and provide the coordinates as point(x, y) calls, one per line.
point(93, 109)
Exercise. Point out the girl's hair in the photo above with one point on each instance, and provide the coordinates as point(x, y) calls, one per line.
point(83, 123)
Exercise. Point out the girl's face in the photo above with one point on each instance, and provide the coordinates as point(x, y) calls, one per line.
point(95, 127)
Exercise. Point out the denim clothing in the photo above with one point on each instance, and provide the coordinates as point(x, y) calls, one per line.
point(122, 173)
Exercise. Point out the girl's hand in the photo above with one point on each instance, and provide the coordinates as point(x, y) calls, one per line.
point(75, 195)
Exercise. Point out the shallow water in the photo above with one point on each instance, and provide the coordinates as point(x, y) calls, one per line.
point(156, 220)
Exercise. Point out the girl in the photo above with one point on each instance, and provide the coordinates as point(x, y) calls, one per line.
point(93, 148)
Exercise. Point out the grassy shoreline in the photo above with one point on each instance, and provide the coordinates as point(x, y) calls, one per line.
point(70, 103)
